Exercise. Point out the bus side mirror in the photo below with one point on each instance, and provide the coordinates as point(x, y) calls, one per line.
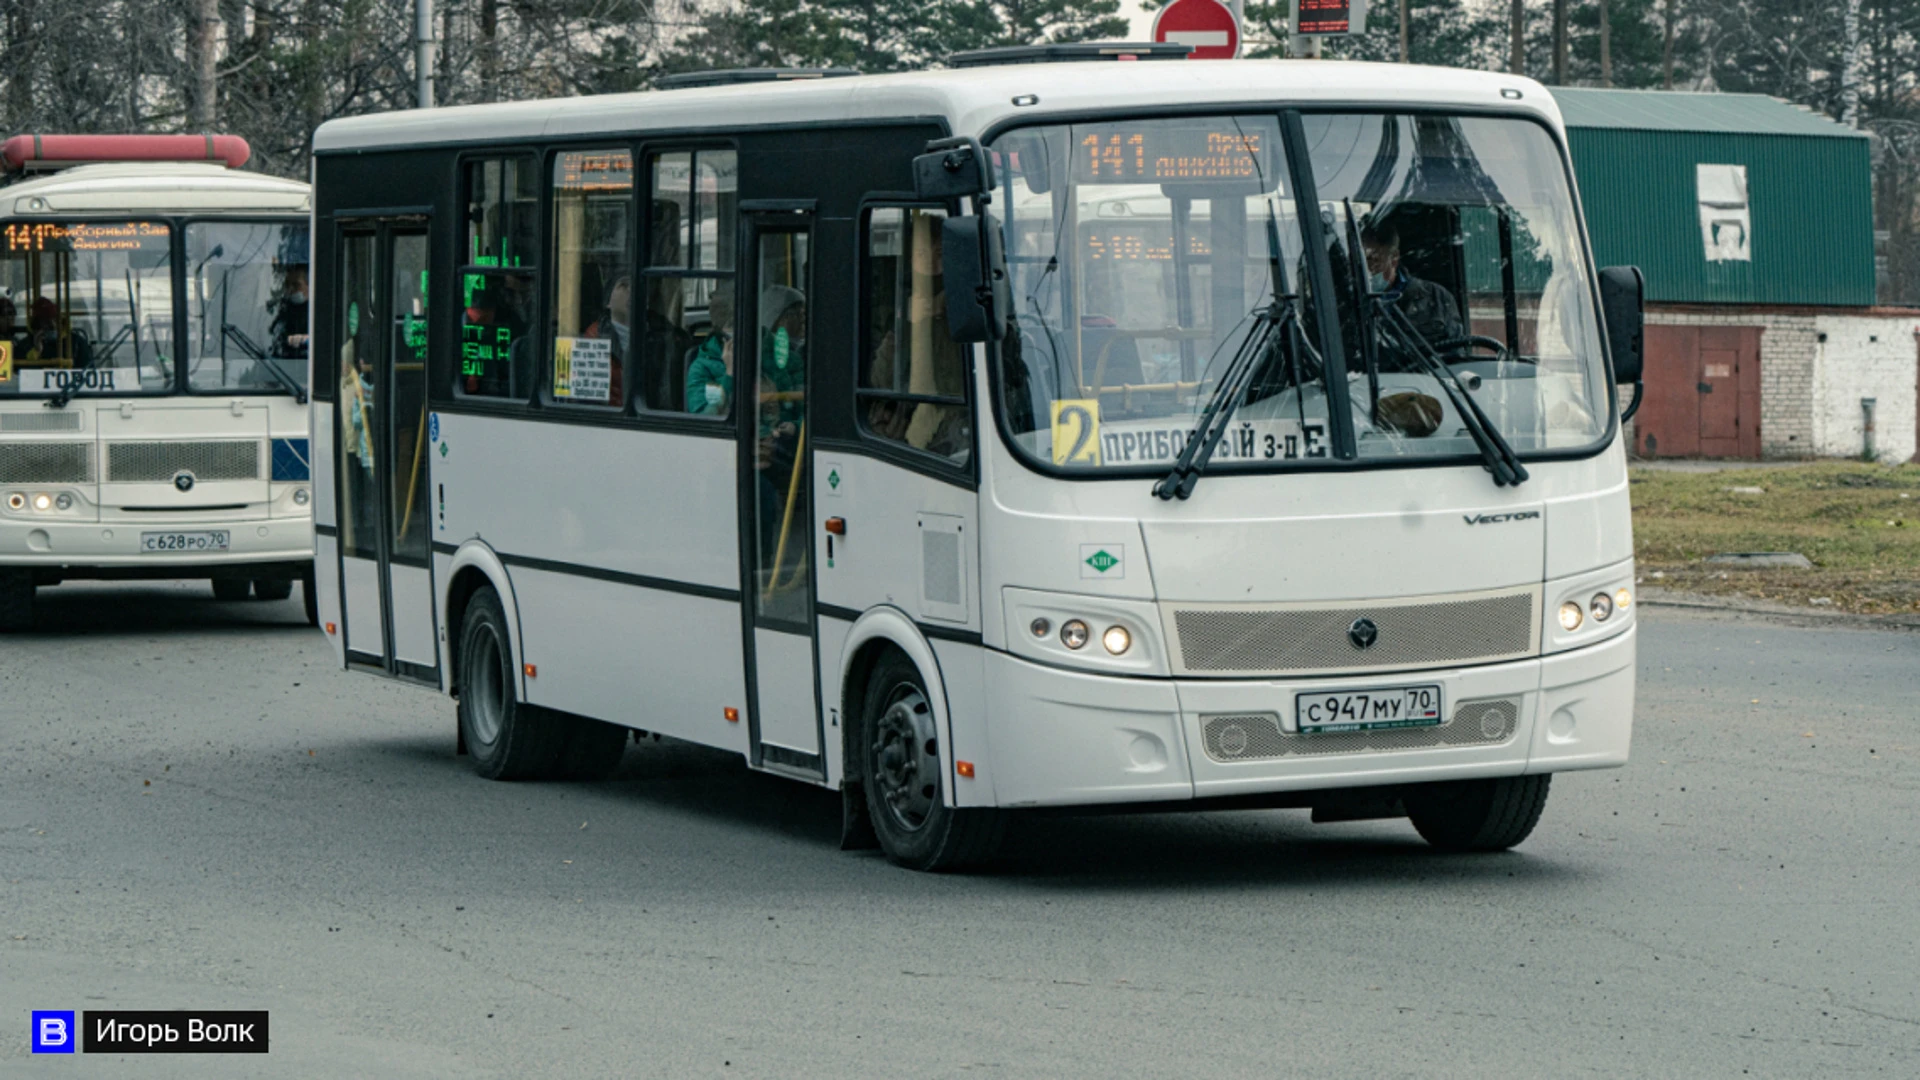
point(974, 272)
point(952, 169)
point(1623, 304)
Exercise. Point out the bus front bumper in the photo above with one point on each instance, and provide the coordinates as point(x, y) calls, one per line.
point(1061, 738)
point(71, 549)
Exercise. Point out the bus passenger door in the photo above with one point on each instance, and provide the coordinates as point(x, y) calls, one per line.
point(385, 571)
point(776, 511)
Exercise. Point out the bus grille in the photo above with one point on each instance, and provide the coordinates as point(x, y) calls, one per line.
point(1254, 736)
point(148, 462)
point(1264, 641)
point(46, 462)
point(40, 420)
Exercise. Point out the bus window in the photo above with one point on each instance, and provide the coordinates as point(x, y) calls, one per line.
point(246, 306)
point(688, 357)
point(912, 378)
point(497, 289)
point(593, 289)
point(357, 402)
point(1139, 252)
point(1471, 250)
point(86, 302)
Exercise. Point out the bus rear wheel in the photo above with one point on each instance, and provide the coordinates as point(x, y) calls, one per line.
point(1478, 815)
point(16, 601)
point(506, 738)
point(902, 774)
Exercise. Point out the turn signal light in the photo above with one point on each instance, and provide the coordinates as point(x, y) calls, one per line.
point(530, 670)
point(964, 768)
point(330, 628)
point(1623, 598)
point(732, 714)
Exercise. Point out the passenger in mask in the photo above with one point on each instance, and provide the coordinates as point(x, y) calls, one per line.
point(1430, 307)
point(290, 316)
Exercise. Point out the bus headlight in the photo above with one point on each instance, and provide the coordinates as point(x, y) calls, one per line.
point(16, 501)
point(1571, 616)
point(1600, 607)
point(1073, 634)
point(1117, 640)
point(63, 501)
point(300, 496)
point(1623, 599)
point(1040, 627)
point(42, 502)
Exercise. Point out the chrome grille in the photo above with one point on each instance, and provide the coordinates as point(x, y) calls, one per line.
point(147, 462)
point(1301, 640)
point(46, 462)
point(42, 419)
point(1255, 736)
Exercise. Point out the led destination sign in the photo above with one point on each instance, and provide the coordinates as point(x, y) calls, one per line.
point(1164, 153)
point(104, 236)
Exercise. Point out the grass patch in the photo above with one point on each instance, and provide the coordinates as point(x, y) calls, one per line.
point(1858, 523)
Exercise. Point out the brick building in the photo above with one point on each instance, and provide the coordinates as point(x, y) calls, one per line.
point(1753, 220)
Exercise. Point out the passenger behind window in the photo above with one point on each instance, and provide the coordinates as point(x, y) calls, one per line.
point(709, 386)
point(289, 305)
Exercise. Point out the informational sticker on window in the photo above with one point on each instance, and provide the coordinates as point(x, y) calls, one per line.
point(1159, 442)
point(583, 369)
point(1726, 219)
point(1076, 431)
point(6, 361)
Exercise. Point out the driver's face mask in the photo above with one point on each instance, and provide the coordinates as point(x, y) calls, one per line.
point(1376, 281)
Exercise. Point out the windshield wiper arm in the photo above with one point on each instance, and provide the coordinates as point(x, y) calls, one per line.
point(1214, 419)
point(1495, 452)
point(230, 332)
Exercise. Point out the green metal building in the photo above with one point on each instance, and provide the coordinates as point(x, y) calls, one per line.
point(1809, 180)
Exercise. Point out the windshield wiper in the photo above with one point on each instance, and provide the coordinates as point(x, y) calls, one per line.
point(230, 332)
point(1495, 453)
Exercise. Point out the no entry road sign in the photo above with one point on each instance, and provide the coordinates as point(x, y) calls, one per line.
point(1208, 26)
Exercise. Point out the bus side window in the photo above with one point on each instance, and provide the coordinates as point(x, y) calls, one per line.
point(497, 287)
point(687, 361)
point(592, 288)
point(911, 385)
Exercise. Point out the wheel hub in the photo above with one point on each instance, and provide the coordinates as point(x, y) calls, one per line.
point(906, 758)
point(484, 684)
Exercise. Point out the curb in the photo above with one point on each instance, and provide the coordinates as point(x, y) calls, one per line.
point(1684, 601)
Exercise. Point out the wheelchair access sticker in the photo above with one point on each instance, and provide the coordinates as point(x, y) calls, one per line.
point(1076, 431)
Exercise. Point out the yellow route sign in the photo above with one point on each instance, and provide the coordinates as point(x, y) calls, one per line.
point(1076, 431)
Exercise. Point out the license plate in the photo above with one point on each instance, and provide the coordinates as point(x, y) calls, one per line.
point(1368, 710)
point(167, 543)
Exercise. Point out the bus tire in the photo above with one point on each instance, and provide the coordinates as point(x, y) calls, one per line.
point(228, 590)
point(506, 738)
point(592, 750)
point(1478, 815)
point(272, 588)
point(902, 773)
point(16, 601)
point(310, 597)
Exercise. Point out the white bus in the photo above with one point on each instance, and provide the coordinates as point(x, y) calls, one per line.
point(153, 330)
point(1050, 431)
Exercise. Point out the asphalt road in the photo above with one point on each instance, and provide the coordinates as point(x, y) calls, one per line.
point(196, 810)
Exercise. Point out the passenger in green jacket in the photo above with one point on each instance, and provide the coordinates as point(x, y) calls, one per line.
point(710, 375)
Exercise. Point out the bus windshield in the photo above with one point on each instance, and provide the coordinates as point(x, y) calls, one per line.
point(246, 305)
point(1142, 253)
point(86, 306)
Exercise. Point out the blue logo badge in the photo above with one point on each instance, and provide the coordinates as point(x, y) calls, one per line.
point(54, 1032)
point(433, 427)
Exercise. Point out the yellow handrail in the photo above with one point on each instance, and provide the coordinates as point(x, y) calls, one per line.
point(786, 517)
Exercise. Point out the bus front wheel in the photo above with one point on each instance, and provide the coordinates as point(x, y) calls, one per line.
point(903, 777)
point(506, 739)
point(1478, 815)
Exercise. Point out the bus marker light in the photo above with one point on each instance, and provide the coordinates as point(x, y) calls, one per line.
point(330, 628)
point(42, 501)
point(1073, 634)
point(530, 670)
point(732, 714)
point(1623, 599)
point(16, 501)
point(964, 768)
point(1117, 640)
point(837, 526)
